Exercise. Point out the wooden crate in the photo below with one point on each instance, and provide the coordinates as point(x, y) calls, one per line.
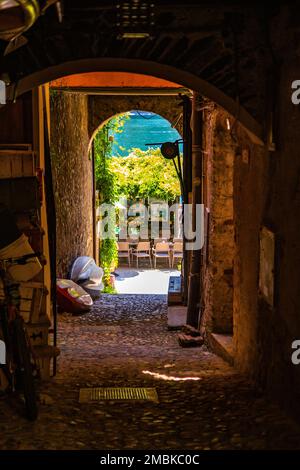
point(32, 296)
point(44, 355)
point(38, 332)
point(17, 164)
point(35, 292)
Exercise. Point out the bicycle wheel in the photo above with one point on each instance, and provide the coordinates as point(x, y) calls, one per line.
point(25, 370)
point(6, 338)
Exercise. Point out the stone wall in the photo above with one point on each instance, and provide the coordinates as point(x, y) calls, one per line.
point(218, 197)
point(267, 194)
point(102, 108)
point(73, 178)
point(221, 227)
point(250, 185)
point(265, 186)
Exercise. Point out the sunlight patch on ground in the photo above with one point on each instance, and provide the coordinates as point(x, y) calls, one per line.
point(172, 378)
point(143, 281)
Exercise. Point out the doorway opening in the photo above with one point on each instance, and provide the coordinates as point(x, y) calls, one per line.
point(141, 186)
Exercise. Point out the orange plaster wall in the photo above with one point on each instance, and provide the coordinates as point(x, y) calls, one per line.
point(112, 79)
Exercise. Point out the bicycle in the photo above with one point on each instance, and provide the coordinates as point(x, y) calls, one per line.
point(18, 368)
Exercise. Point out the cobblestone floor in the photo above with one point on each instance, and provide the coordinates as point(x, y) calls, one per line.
point(122, 337)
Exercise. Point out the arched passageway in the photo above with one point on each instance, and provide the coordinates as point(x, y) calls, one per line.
point(238, 56)
point(167, 72)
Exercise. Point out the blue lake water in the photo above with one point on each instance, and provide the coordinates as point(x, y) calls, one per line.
point(143, 128)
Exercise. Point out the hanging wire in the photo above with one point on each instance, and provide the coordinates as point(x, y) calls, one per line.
point(177, 120)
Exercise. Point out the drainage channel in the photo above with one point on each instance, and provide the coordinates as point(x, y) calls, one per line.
point(87, 395)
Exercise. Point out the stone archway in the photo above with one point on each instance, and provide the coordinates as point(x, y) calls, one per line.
point(75, 119)
point(103, 108)
point(146, 67)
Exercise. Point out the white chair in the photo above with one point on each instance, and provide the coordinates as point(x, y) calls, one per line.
point(124, 251)
point(143, 250)
point(159, 240)
point(177, 251)
point(162, 250)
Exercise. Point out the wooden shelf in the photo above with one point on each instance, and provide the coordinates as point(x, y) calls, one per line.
point(17, 164)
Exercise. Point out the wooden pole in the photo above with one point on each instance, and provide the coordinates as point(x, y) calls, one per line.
point(51, 219)
point(194, 291)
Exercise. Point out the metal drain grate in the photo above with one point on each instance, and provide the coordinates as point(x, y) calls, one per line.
point(117, 393)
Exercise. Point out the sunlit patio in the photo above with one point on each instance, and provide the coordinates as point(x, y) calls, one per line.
point(143, 281)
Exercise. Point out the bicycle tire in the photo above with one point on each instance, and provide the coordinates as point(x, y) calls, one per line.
point(25, 370)
point(5, 337)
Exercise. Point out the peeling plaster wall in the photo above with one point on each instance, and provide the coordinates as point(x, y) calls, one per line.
point(73, 178)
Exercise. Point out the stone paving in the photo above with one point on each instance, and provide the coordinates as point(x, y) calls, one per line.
point(123, 336)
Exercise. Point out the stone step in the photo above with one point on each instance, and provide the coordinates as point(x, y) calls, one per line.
point(221, 345)
point(187, 341)
point(190, 330)
point(176, 317)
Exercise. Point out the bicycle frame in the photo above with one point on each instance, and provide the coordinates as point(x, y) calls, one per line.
point(18, 349)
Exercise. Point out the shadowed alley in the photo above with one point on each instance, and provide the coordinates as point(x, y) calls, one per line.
point(112, 346)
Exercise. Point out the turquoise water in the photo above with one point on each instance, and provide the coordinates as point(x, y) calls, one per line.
point(143, 128)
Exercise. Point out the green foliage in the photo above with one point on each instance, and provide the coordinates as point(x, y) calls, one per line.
point(106, 184)
point(145, 174)
point(109, 290)
point(108, 261)
point(140, 175)
point(105, 179)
